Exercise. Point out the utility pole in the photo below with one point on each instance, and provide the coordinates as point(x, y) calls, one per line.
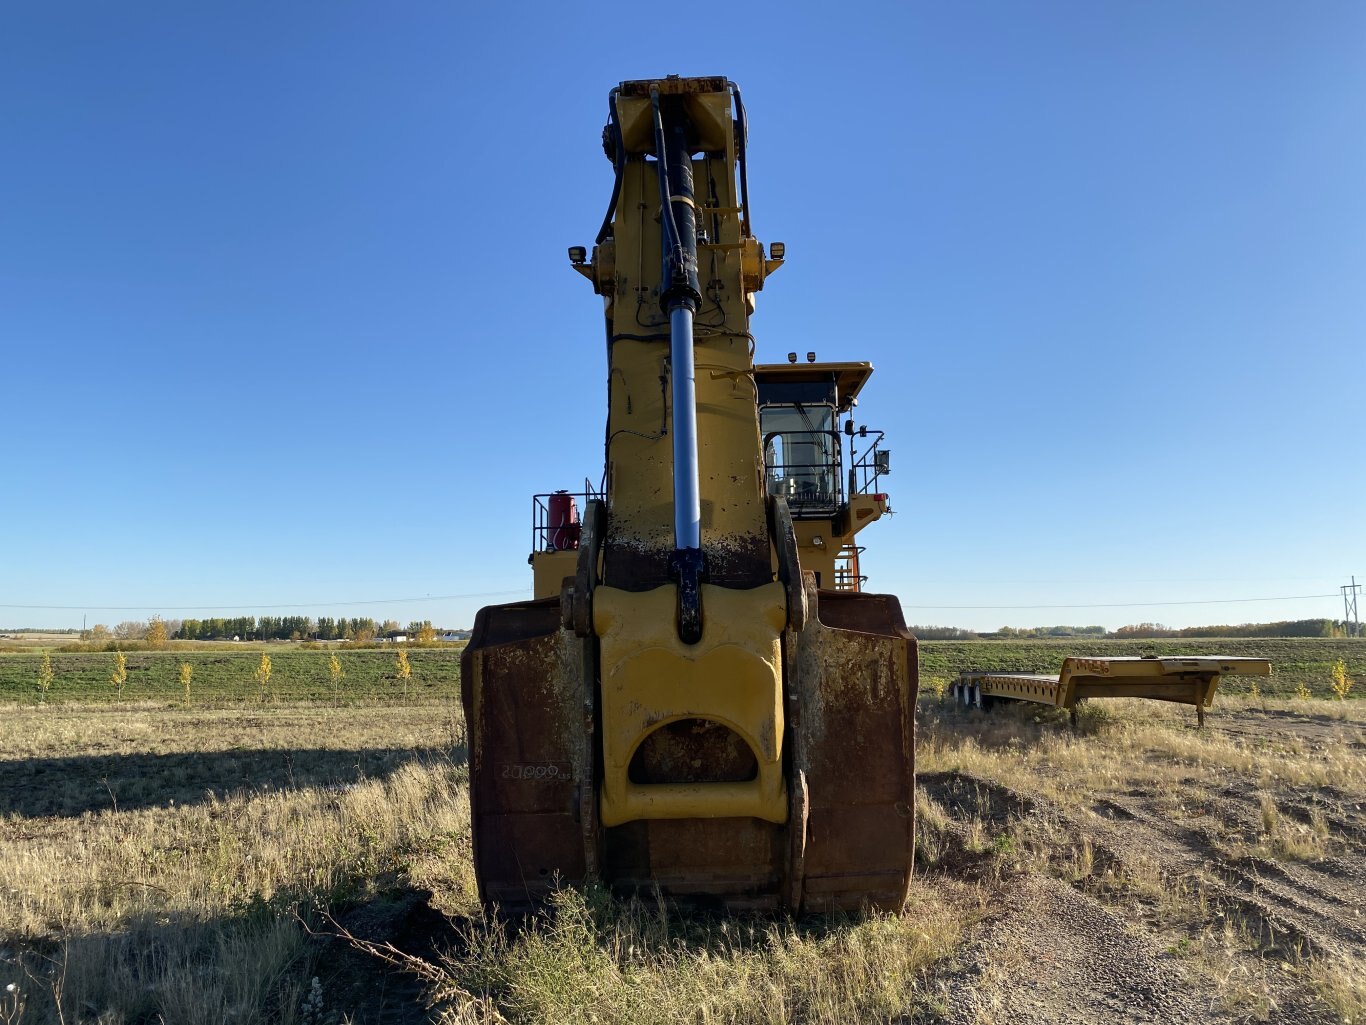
point(1351, 619)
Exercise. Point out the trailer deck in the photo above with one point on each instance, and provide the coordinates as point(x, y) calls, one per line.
point(1185, 680)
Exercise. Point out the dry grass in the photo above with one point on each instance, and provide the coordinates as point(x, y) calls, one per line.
point(139, 894)
point(1341, 984)
point(592, 959)
point(178, 903)
point(1126, 743)
point(152, 861)
point(1282, 837)
point(1131, 747)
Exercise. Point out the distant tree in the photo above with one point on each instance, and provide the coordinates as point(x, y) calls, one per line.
point(156, 632)
point(334, 671)
point(404, 671)
point(389, 628)
point(1342, 683)
point(45, 675)
point(262, 675)
point(99, 632)
point(130, 630)
point(426, 633)
point(119, 677)
point(1144, 630)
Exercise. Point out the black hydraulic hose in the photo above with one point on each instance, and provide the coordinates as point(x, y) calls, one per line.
point(618, 163)
point(679, 286)
point(741, 147)
point(666, 206)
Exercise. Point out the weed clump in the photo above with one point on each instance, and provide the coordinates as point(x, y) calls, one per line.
point(590, 958)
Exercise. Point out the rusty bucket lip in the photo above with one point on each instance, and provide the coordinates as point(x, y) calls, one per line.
point(747, 866)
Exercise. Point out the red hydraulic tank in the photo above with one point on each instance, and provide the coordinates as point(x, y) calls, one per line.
point(562, 522)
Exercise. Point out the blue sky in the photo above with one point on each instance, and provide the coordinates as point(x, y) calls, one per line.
point(286, 319)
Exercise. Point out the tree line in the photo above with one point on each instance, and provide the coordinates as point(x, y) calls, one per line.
point(1284, 628)
point(300, 628)
point(264, 628)
point(1289, 628)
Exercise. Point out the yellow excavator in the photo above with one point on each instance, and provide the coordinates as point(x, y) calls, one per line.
point(701, 699)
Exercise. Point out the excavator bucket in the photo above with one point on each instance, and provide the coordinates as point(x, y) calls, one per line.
point(700, 700)
point(697, 817)
point(528, 706)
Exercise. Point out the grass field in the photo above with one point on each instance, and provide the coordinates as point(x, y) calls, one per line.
point(225, 673)
point(170, 865)
point(1294, 660)
point(227, 676)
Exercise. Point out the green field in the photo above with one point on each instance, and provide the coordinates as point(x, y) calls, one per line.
point(1294, 660)
point(226, 676)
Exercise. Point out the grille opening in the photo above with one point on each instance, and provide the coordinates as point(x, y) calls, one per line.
point(693, 751)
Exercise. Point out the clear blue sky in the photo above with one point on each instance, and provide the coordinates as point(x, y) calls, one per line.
point(286, 318)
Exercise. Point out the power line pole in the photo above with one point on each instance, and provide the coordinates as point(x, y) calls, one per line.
point(1351, 619)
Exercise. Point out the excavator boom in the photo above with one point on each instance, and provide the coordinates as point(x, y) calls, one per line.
point(699, 700)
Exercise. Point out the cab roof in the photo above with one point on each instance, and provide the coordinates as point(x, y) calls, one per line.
point(849, 378)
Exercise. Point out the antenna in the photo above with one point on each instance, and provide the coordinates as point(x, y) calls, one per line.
point(1351, 619)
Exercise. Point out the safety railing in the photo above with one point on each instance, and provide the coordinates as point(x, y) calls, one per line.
point(556, 516)
point(867, 467)
point(847, 575)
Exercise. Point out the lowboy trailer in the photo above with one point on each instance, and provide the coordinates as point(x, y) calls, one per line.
point(1187, 681)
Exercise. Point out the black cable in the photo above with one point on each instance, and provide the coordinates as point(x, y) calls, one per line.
point(741, 149)
point(240, 608)
point(666, 205)
point(618, 164)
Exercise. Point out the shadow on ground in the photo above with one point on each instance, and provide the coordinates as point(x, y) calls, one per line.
point(84, 783)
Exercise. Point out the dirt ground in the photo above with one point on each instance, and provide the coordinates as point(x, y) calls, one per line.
point(1180, 889)
point(1142, 871)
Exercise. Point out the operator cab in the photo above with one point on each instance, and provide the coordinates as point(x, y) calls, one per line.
point(799, 409)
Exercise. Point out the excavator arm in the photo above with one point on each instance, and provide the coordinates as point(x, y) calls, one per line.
point(690, 710)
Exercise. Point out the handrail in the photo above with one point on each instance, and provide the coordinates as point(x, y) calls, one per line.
point(544, 533)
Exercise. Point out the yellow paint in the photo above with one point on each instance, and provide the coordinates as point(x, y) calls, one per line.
point(733, 676)
point(549, 570)
point(625, 270)
point(819, 541)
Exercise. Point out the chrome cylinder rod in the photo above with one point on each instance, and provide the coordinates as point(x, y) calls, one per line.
point(687, 499)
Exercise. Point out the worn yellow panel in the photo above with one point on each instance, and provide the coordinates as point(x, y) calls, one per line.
point(732, 676)
point(549, 569)
point(817, 547)
point(640, 454)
